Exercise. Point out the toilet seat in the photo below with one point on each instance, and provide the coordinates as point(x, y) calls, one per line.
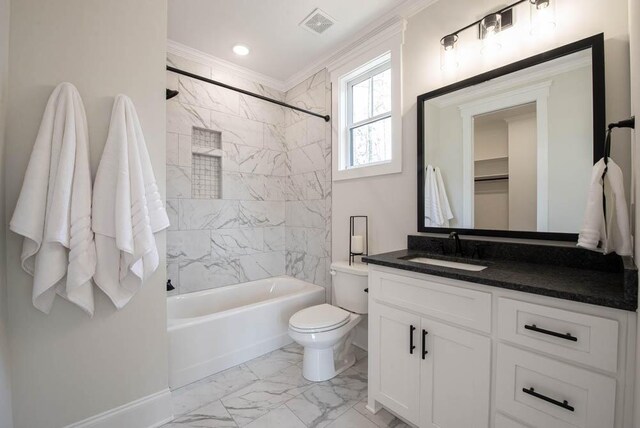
point(319, 318)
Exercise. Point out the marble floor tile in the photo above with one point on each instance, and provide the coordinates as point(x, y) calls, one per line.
point(382, 419)
point(275, 361)
point(352, 419)
point(259, 398)
point(362, 367)
point(212, 388)
point(213, 415)
point(270, 392)
point(325, 401)
point(281, 417)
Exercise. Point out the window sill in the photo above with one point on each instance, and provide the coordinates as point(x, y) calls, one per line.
point(381, 168)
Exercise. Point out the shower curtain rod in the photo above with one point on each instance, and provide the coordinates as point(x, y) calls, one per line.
point(326, 118)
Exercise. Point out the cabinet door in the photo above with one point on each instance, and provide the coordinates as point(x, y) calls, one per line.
point(455, 377)
point(395, 377)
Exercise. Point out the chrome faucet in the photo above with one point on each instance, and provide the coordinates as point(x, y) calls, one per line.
point(454, 235)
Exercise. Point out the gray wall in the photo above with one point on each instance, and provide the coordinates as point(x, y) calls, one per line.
point(5, 385)
point(65, 366)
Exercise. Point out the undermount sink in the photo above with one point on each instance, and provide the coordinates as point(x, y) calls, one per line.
point(446, 263)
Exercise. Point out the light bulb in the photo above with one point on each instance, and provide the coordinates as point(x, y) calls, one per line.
point(448, 52)
point(490, 26)
point(543, 19)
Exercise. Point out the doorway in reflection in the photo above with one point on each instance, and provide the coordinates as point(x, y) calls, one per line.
point(505, 169)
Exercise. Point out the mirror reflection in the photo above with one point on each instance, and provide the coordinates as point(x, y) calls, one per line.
point(514, 153)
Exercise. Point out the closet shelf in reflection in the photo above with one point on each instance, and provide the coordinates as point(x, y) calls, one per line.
point(494, 177)
point(497, 158)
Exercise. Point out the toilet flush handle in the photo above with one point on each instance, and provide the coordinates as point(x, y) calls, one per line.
point(332, 272)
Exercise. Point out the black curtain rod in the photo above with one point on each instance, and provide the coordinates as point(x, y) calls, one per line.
point(326, 118)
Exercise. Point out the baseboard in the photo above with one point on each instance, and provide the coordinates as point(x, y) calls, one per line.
point(215, 365)
point(151, 411)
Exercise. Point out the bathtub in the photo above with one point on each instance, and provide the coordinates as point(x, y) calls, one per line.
point(212, 330)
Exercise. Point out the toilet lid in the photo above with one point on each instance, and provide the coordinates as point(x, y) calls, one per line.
point(320, 317)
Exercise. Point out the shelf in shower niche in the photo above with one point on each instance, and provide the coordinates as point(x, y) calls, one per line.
point(206, 151)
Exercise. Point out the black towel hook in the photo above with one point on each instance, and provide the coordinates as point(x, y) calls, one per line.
point(627, 123)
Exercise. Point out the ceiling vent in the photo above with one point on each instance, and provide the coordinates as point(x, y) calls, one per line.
point(317, 22)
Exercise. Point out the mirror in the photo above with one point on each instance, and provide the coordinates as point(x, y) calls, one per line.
point(509, 152)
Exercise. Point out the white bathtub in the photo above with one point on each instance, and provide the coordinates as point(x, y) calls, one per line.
point(212, 330)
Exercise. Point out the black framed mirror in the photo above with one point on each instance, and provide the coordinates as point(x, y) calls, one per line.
point(509, 152)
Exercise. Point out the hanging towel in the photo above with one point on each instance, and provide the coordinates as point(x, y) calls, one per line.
point(437, 211)
point(610, 229)
point(54, 207)
point(127, 208)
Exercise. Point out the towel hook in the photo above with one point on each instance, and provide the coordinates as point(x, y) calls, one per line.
point(627, 123)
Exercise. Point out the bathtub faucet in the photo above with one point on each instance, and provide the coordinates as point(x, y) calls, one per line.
point(170, 285)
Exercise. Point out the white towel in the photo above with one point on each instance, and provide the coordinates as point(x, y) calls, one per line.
point(127, 208)
point(437, 211)
point(616, 237)
point(54, 208)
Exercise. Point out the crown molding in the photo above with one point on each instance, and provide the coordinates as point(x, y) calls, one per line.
point(204, 58)
point(377, 31)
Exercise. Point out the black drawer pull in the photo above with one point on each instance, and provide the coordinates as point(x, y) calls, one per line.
point(566, 336)
point(411, 345)
point(564, 404)
point(424, 344)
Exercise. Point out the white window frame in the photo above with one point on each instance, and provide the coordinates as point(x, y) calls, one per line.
point(350, 124)
point(368, 59)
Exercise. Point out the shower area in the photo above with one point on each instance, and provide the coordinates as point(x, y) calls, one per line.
point(248, 181)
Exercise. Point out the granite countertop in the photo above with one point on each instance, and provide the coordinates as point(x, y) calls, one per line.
point(612, 283)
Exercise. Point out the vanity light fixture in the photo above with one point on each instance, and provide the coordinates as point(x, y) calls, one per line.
point(542, 14)
point(543, 19)
point(448, 52)
point(241, 50)
point(490, 26)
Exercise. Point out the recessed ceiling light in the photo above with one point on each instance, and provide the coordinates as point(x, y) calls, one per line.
point(241, 50)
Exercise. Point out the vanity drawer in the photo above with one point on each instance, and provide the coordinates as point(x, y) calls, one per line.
point(444, 300)
point(590, 397)
point(585, 339)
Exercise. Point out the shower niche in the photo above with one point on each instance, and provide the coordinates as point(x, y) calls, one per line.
point(206, 164)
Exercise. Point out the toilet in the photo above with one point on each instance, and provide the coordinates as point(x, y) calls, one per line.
point(326, 331)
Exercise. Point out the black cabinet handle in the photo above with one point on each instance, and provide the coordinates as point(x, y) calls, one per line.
point(411, 345)
point(424, 344)
point(564, 404)
point(566, 336)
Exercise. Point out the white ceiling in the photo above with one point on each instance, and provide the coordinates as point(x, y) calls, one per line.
point(279, 47)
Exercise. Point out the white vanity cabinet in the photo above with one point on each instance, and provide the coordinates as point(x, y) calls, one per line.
point(451, 354)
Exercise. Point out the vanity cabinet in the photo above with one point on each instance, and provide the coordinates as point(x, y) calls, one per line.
point(451, 354)
point(429, 372)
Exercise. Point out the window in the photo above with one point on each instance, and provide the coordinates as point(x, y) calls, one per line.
point(367, 108)
point(369, 117)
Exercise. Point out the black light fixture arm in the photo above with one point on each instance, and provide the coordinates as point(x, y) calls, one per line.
point(326, 118)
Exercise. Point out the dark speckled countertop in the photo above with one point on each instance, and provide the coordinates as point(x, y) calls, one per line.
point(562, 272)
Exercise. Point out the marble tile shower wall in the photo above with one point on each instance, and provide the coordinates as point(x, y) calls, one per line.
point(308, 206)
point(241, 236)
point(273, 217)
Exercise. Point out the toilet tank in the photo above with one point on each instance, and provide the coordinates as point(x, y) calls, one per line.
point(349, 284)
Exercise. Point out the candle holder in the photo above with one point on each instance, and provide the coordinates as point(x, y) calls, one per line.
point(365, 247)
